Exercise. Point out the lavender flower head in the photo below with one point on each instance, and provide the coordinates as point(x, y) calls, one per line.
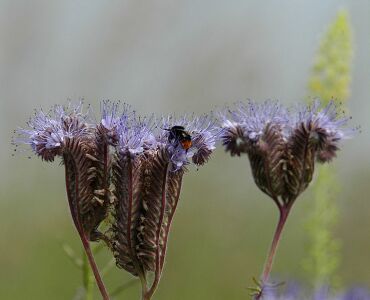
point(283, 145)
point(204, 134)
point(134, 135)
point(47, 132)
point(110, 114)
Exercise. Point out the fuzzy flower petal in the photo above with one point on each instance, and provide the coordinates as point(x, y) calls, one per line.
point(109, 114)
point(133, 134)
point(254, 117)
point(245, 125)
point(46, 133)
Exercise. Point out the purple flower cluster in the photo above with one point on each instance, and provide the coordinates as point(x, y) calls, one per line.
point(126, 169)
point(46, 132)
point(246, 125)
point(283, 144)
point(203, 131)
point(294, 292)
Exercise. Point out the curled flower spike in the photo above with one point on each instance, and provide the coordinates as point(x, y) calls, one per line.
point(148, 167)
point(68, 133)
point(283, 146)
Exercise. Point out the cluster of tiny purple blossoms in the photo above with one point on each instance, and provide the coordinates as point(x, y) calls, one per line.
point(244, 125)
point(294, 291)
point(283, 144)
point(47, 132)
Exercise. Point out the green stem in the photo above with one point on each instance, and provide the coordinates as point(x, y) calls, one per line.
point(88, 280)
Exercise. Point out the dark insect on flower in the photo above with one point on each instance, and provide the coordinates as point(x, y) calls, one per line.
point(124, 169)
point(148, 168)
point(179, 135)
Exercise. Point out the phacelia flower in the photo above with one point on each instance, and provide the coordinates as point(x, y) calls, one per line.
point(47, 132)
point(109, 114)
point(201, 130)
point(134, 135)
point(149, 161)
point(283, 145)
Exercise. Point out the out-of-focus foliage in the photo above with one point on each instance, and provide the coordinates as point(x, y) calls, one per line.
point(86, 291)
point(331, 70)
point(330, 80)
point(324, 250)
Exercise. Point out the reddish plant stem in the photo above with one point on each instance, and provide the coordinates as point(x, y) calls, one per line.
point(283, 215)
point(284, 212)
point(94, 267)
point(74, 208)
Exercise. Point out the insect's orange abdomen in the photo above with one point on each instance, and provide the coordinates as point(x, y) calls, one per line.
point(186, 144)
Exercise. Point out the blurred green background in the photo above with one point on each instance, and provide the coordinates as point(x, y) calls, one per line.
point(165, 56)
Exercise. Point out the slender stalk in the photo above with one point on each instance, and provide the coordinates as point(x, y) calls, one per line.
point(94, 267)
point(283, 215)
point(76, 219)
